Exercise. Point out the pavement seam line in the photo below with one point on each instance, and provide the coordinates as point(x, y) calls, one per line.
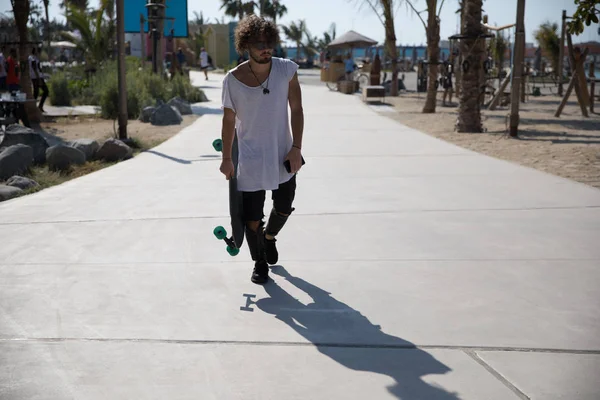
point(415, 211)
point(306, 344)
point(473, 355)
point(379, 260)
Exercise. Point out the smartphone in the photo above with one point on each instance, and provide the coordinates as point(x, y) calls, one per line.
point(288, 167)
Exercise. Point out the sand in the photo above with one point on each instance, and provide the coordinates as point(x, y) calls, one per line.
point(568, 146)
point(65, 129)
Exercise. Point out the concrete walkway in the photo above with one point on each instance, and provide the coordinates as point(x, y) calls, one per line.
point(411, 269)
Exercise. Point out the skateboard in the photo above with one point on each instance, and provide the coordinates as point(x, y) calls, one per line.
point(236, 207)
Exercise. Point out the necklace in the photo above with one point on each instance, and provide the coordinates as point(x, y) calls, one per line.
point(265, 89)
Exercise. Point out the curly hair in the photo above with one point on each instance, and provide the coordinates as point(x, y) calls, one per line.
point(251, 28)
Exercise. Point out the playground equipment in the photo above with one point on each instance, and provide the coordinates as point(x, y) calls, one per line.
point(578, 79)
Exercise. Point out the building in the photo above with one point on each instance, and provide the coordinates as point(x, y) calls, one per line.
point(220, 44)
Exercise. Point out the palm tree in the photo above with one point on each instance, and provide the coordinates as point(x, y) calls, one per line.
point(274, 9)
point(328, 37)
point(384, 9)
point(294, 32)
point(47, 22)
point(469, 113)
point(237, 8)
point(79, 4)
point(432, 29)
point(96, 35)
point(547, 37)
point(21, 10)
point(498, 45)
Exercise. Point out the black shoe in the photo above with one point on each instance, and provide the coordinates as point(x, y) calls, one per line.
point(271, 253)
point(261, 272)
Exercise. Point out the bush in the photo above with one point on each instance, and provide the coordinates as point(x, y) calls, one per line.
point(60, 95)
point(144, 88)
point(183, 88)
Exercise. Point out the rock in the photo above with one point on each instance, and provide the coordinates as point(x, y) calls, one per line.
point(21, 182)
point(203, 97)
point(147, 114)
point(181, 105)
point(8, 192)
point(15, 160)
point(166, 115)
point(61, 157)
point(17, 134)
point(89, 147)
point(114, 150)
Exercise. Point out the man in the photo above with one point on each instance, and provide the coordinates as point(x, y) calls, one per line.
point(204, 62)
point(12, 72)
point(37, 79)
point(181, 59)
point(349, 67)
point(255, 102)
point(2, 69)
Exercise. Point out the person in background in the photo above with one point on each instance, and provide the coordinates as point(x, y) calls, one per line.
point(349, 67)
point(37, 79)
point(181, 59)
point(204, 62)
point(2, 69)
point(12, 72)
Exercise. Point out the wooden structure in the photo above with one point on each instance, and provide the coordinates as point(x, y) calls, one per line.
point(578, 80)
point(592, 85)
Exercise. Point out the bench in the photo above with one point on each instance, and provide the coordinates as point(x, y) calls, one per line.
point(373, 91)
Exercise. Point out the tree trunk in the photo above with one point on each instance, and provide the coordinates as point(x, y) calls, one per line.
point(390, 43)
point(433, 54)
point(21, 10)
point(469, 113)
point(46, 5)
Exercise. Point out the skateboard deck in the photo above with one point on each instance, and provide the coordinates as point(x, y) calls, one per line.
point(236, 206)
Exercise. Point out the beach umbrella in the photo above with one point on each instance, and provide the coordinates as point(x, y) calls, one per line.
point(351, 39)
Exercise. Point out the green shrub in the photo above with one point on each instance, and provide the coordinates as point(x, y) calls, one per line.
point(183, 88)
point(60, 94)
point(144, 88)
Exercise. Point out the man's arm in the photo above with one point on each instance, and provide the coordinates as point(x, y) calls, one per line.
point(227, 132)
point(297, 117)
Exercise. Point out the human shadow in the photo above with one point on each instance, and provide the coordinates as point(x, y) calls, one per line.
point(204, 157)
point(199, 110)
point(349, 338)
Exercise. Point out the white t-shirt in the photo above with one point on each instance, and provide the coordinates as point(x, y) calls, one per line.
point(204, 59)
point(262, 126)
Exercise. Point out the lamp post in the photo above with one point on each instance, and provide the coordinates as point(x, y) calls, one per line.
point(121, 67)
point(155, 17)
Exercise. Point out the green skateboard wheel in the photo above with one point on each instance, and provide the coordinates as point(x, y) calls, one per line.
point(218, 144)
point(233, 251)
point(220, 232)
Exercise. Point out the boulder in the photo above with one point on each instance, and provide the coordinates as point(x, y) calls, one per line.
point(8, 192)
point(17, 134)
point(61, 157)
point(15, 160)
point(166, 115)
point(203, 97)
point(89, 147)
point(147, 114)
point(114, 150)
point(21, 182)
point(181, 105)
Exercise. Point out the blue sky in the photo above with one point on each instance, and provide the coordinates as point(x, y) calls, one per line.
point(348, 14)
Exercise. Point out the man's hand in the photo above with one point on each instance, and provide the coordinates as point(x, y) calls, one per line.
point(295, 157)
point(227, 168)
